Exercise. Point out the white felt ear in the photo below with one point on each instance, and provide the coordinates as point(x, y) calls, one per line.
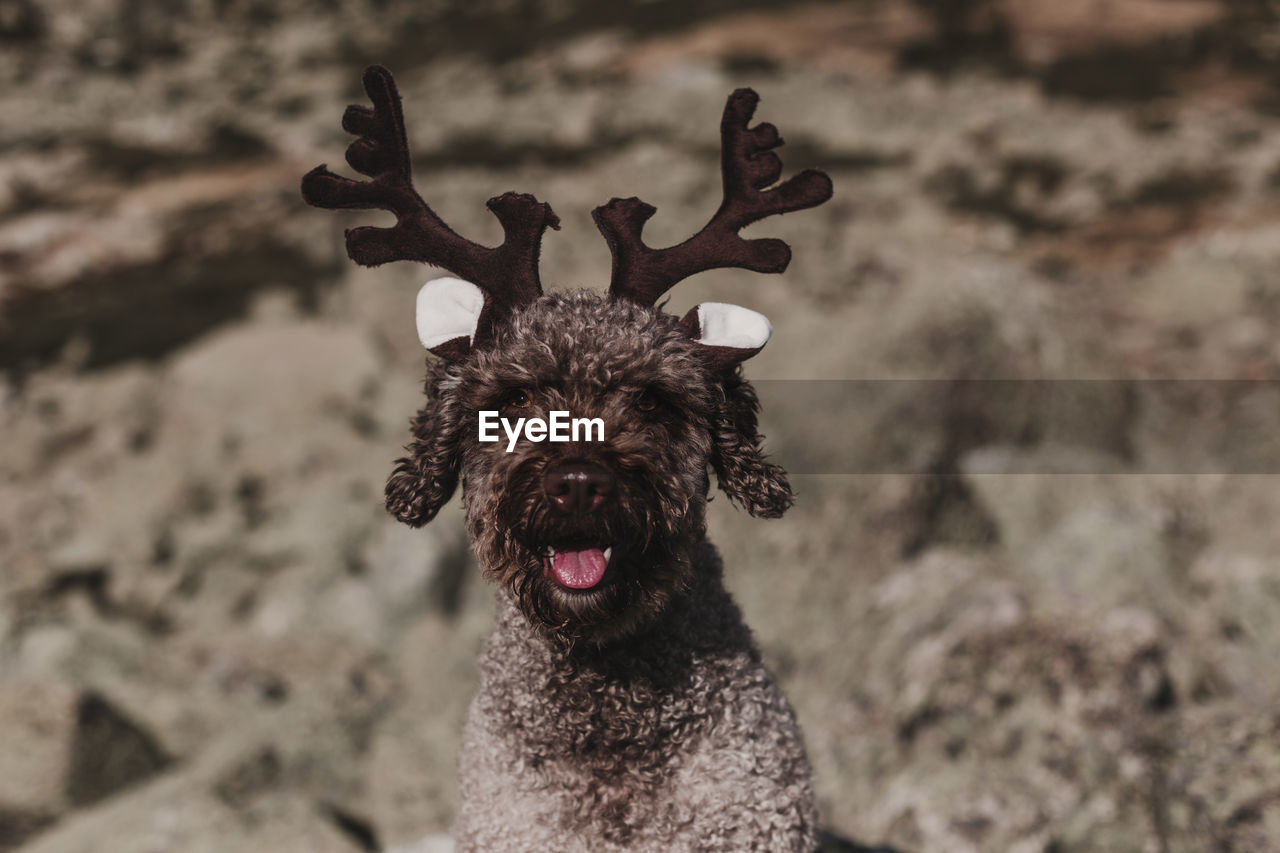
point(724, 325)
point(448, 308)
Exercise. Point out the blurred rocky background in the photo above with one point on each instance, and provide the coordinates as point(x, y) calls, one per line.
point(1044, 624)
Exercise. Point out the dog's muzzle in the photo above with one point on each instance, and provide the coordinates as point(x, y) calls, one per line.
point(576, 490)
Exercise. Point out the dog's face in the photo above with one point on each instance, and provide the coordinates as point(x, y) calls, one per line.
point(592, 537)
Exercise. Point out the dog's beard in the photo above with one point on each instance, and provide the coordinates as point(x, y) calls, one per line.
point(636, 588)
point(648, 540)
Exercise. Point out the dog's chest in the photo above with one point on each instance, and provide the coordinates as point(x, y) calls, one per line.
point(624, 725)
point(700, 773)
point(617, 770)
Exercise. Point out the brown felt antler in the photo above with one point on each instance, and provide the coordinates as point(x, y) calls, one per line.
point(506, 274)
point(748, 166)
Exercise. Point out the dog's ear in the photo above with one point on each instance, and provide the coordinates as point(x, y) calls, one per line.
point(755, 484)
point(424, 480)
point(726, 334)
point(447, 313)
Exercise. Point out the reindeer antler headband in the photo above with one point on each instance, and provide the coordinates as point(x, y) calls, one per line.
point(506, 276)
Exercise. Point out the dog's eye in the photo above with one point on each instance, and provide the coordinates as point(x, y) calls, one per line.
point(517, 399)
point(646, 401)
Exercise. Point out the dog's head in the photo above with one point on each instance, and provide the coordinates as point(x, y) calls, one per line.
point(593, 534)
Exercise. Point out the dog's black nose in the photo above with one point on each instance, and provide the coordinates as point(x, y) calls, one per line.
point(577, 487)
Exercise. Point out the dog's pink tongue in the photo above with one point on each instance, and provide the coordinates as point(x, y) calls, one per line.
point(578, 569)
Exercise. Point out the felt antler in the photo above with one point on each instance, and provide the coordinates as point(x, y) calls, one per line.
point(506, 275)
point(748, 166)
point(728, 334)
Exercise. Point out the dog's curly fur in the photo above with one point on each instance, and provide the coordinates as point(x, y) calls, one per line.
point(636, 714)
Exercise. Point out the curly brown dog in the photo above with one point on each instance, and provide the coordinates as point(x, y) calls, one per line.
point(622, 702)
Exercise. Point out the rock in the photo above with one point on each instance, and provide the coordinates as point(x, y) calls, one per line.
point(1222, 782)
point(110, 753)
point(281, 777)
point(430, 844)
point(1104, 555)
point(170, 818)
point(66, 747)
point(1030, 490)
point(410, 786)
point(236, 395)
point(421, 569)
point(1086, 535)
point(1236, 634)
point(350, 609)
point(1009, 730)
point(250, 780)
point(39, 722)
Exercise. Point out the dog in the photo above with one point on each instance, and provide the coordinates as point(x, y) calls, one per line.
point(622, 702)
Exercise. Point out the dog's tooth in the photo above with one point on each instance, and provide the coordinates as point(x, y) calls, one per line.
point(608, 552)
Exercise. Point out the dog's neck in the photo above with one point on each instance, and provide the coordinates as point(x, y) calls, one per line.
point(564, 701)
